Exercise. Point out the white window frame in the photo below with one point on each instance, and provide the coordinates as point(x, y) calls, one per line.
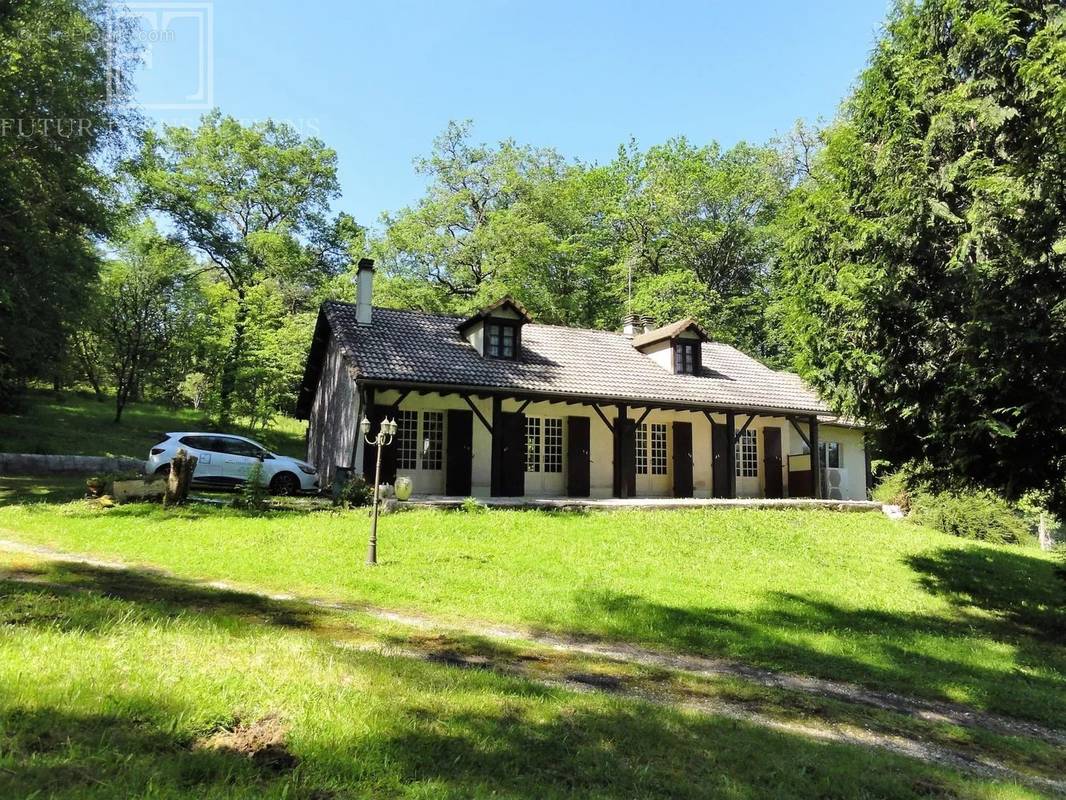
point(640, 440)
point(747, 454)
point(422, 450)
point(658, 448)
point(544, 445)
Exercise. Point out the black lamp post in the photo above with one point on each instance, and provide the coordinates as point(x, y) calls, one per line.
point(386, 432)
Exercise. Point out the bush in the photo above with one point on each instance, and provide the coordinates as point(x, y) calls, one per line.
point(253, 493)
point(972, 515)
point(470, 505)
point(356, 492)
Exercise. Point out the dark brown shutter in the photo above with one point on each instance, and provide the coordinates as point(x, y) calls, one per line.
point(772, 462)
point(577, 457)
point(459, 453)
point(682, 459)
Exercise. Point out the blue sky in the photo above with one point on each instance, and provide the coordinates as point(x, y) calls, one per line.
point(377, 81)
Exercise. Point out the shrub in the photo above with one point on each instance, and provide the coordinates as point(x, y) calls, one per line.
point(977, 515)
point(253, 493)
point(971, 514)
point(356, 492)
point(470, 505)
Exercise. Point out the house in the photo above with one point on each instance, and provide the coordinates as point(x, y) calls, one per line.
point(497, 405)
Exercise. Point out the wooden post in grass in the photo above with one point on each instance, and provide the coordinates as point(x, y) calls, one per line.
point(182, 467)
point(1047, 538)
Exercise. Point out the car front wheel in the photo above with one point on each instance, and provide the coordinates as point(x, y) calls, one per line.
point(285, 483)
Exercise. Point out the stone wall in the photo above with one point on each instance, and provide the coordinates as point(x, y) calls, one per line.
point(35, 464)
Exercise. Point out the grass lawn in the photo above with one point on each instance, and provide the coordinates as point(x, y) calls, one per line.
point(851, 596)
point(141, 686)
point(78, 424)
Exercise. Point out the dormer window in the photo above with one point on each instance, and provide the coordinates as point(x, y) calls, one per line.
point(686, 357)
point(676, 347)
point(501, 339)
point(496, 331)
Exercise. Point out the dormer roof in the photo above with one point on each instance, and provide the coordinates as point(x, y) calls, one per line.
point(493, 309)
point(671, 331)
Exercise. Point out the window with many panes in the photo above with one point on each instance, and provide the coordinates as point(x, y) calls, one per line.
point(642, 449)
point(432, 439)
point(532, 444)
point(544, 444)
point(658, 448)
point(407, 439)
point(553, 444)
point(501, 340)
point(419, 440)
point(748, 455)
point(686, 358)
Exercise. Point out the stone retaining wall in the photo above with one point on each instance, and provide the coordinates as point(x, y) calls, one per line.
point(36, 464)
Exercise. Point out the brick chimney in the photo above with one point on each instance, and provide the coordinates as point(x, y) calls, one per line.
point(364, 291)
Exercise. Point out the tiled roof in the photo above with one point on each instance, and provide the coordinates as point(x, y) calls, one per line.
point(418, 347)
point(668, 332)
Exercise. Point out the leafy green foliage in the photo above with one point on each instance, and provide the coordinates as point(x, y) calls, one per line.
point(979, 515)
point(253, 202)
point(356, 492)
point(60, 121)
point(924, 276)
point(690, 226)
point(252, 494)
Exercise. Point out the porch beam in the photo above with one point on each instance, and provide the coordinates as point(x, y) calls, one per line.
point(602, 416)
point(799, 430)
point(642, 417)
point(575, 399)
point(743, 428)
point(522, 408)
point(477, 412)
point(710, 418)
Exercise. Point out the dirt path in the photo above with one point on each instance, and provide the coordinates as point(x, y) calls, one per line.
point(927, 710)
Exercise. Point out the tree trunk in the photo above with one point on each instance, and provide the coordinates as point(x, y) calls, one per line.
point(233, 360)
point(182, 467)
point(1047, 538)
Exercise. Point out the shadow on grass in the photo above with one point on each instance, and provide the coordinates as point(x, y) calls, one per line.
point(1010, 611)
point(616, 750)
point(52, 753)
point(156, 597)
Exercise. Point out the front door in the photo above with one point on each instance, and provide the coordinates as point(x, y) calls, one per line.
point(720, 445)
point(772, 462)
point(682, 459)
point(459, 453)
point(577, 457)
point(509, 452)
point(239, 458)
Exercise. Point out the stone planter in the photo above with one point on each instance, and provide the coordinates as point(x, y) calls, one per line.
point(403, 488)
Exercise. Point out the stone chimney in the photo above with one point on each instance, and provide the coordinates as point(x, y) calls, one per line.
point(364, 291)
point(649, 323)
point(630, 322)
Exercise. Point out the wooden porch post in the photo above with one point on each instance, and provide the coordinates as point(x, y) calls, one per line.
point(731, 452)
point(816, 456)
point(496, 467)
point(624, 454)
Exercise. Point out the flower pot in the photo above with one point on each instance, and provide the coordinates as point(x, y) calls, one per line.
point(403, 488)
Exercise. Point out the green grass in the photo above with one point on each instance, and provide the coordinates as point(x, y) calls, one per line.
point(116, 686)
point(847, 596)
point(78, 424)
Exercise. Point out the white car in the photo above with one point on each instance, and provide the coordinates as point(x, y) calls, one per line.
point(224, 460)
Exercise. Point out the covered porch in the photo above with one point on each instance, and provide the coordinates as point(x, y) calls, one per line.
point(456, 442)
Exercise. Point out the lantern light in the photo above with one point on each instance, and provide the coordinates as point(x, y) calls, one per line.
point(364, 426)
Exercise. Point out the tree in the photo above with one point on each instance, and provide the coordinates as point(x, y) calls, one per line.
point(924, 279)
point(253, 202)
point(61, 118)
point(135, 313)
point(447, 238)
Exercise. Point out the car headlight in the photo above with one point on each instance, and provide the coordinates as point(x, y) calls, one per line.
point(307, 470)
